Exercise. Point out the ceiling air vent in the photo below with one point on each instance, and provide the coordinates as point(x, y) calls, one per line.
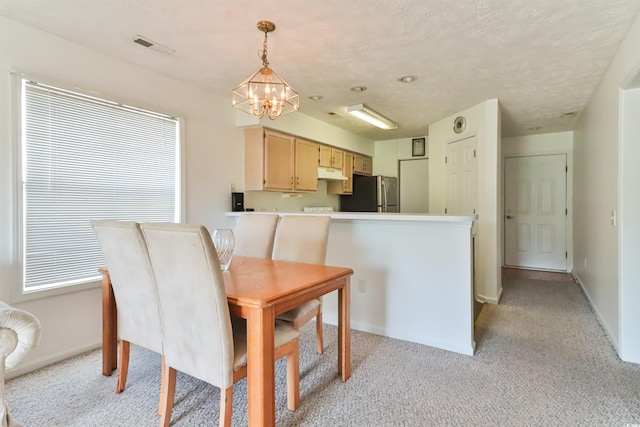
point(142, 41)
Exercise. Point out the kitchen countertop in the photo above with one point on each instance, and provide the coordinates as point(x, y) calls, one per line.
point(375, 216)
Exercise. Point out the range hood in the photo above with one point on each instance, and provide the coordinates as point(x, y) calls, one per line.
point(331, 174)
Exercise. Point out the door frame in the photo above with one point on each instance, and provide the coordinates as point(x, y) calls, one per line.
point(541, 145)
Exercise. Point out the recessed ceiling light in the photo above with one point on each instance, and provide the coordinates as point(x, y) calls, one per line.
point(570, 114)
point(316, 97)
point(407, 79)
point(358, 88)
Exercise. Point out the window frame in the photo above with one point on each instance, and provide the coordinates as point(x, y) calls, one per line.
point(18, 212)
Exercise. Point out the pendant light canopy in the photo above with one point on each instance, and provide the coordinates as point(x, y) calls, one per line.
point(265, 92)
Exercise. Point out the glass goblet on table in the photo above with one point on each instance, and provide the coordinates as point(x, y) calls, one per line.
point(224, 241)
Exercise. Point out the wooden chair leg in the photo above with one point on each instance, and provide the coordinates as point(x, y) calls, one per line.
point(319, 332)
point(166, 405)
point(123, 366)
point(226, 406)
point(293, 376)
point(163, 384)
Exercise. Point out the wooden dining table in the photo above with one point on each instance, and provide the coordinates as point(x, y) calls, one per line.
point(258, 290)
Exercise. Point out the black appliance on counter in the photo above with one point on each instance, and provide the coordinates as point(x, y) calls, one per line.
point(237, 202)
point(372, 194)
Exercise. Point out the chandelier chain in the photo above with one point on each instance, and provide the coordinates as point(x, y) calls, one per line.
point(265, 61)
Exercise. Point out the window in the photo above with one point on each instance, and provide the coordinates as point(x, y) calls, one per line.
point(85, 158)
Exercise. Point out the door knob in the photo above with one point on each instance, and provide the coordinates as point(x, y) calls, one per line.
point(508, 217)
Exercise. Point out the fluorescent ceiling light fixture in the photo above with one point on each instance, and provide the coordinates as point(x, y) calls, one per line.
point(365, 113)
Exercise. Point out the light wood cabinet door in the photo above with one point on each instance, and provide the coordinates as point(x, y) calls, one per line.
point(325, 156)
point(330, 157)
point(306, 165)
point(279, 152)
point(275, 161)
point(343, 187)
point(337, 158)
point(347, 170)
point(362, 165)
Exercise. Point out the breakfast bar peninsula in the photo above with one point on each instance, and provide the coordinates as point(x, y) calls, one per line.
point(413, 275)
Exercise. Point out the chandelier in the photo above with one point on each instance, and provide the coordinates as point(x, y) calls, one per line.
point(265, 92)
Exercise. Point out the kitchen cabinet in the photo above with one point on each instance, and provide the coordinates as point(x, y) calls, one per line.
point(343, 187)
point(362, 165)
point(276, 161)
point(330, 157)
point(306, 165)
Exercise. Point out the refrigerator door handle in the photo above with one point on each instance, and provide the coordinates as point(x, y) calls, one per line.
point(384, 195)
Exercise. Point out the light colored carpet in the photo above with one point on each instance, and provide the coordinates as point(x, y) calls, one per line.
point(542, 360)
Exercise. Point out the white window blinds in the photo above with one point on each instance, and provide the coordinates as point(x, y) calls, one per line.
point(86, 159)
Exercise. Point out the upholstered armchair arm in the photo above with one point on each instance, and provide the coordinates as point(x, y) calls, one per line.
point(19, 333)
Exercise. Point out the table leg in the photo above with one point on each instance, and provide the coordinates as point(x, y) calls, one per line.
point(109, 327)
point(344, 331)
point(260, 366)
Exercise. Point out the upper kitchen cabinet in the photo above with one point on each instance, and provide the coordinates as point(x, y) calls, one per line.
point(330, 157)
point(276, 161)
point(362, 165)
point(343, 187)
point(306, 165)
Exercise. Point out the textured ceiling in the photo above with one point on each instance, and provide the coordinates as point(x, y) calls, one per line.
point(540, 58)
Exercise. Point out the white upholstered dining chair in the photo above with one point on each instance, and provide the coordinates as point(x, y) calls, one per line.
point(303, 238)
point(254, 235)
point(134, 289)
point(200, 338)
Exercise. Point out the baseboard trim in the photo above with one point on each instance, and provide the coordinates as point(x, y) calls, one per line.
point(453, 347)
point(490, 300)
point(604, 324)
point(32, 365)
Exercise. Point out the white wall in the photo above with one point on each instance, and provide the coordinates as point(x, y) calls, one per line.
point(388, 152)
point(531, 145)
point(291, 202)
point(596, 195)
point(412, 279)
point(542, 144)
point(483, 121)
point(212, 149)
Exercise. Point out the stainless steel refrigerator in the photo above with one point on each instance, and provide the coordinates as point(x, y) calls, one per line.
point(372, 194)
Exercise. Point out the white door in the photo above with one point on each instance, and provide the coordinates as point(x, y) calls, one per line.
point(414, 186)
point(462, 177)
point(535, 204)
